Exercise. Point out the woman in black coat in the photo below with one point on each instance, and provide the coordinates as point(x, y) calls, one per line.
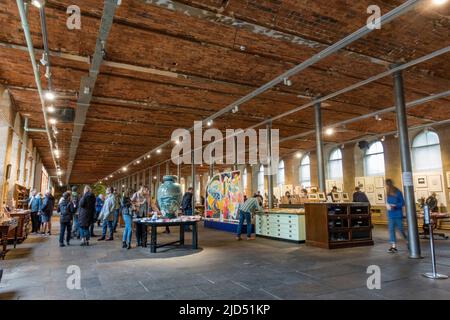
point(86, 214)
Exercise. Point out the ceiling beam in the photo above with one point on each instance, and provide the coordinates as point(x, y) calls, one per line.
point(87, 84)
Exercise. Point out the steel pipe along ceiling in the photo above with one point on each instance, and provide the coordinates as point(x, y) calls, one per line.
point(26, 31)
point(388, 17)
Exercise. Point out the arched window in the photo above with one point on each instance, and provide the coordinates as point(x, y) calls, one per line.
point(374, 160)
point(280, 174)
point(335, 165)
point(244, 180)
point(426, 152)
point(305, 172)
point(261, 179)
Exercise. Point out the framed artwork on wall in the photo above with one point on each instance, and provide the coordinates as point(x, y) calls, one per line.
point(421, 181)
point(369, 181)
point(448, 179)
point(379, 182)
point(371, 197)
point(370, 188)
point(434, 183)
point(359, 182)
point(340, 186)
point(379, 196)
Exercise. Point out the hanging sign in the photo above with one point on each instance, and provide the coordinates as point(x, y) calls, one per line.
point(407, 178)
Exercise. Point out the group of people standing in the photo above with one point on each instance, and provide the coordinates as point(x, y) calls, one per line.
point(79, 213)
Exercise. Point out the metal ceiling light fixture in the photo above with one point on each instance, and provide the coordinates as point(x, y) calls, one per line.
point(50, 96)
point(38, 3)
point(439, 2)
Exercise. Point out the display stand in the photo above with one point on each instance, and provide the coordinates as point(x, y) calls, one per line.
point(429, 222)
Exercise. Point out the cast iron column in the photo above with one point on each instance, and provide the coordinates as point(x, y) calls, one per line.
point(193, 182)
point(158, 173)
point(405, 156)
point(319, 147)
point(269, 166)
point(178, 170)
point(235, 166)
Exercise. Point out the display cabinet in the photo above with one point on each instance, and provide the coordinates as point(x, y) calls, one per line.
point(338, 225)
point(281, 224)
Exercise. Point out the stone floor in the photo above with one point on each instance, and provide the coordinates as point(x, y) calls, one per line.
point(222, 269)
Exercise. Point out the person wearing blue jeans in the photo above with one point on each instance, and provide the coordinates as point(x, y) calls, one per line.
point(107, 215)
point(395, 204)
point(245, 210)
point(116, 219)
point(127, 216)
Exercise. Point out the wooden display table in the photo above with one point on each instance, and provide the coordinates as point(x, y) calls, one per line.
point(281, 224)
point(338, 225)
point(7, 227)
point(23, 218)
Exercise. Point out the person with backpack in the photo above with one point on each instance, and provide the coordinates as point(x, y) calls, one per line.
point(66, 211)
point(46, 212)
point(86, 214)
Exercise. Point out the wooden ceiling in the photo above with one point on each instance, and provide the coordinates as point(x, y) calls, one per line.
point(196, 62)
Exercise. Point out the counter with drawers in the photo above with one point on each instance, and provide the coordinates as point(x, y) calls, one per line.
point(281, 224)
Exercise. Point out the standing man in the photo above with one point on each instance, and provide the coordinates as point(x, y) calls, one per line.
point(359, 196)
point(245, 212)
point(107, 215)
point(86, 214)
point(34, 204)
point(47, 212)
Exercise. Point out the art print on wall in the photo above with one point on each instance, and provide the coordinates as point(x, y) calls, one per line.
point(370, 188)
point(421, 181)
point(379, 182)
point(369, 181)
point(359, 182)
point(435, 183)
point(223, 196)
point(448, 179)
point(380, 196)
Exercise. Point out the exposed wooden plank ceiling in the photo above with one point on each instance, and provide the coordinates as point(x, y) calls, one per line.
point(167, 66)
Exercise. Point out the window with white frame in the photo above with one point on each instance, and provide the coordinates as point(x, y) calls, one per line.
point(280, 174)
point(305, 172)
point(261, 179)
point(426, 152)
point(335, 165)
point(374, 160)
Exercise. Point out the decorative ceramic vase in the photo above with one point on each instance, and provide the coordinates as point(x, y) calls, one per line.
point(169, 196)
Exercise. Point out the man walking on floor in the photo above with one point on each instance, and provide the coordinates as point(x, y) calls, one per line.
point(107, 215)
point(245, 212)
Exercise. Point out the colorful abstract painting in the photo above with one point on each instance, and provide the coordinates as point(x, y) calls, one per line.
point(223, 196)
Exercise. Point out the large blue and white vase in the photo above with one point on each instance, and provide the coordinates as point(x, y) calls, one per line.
point(169, 196)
